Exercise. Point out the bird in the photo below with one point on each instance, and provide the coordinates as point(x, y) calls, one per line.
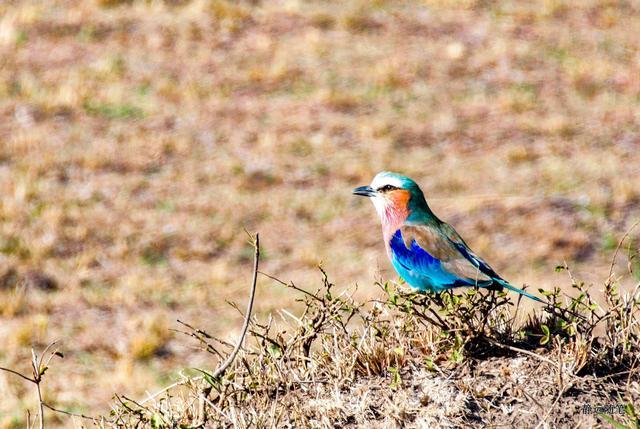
point(425, 251)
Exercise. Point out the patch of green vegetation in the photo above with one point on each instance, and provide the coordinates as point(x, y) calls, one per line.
point(87, 33)
point(245, 255)
point(559, 54)
point(143, 89)
point(36, 210)
point(391, 339)
point(609, 242)
point(301, 147)
point(14, 246)
point(113, 111)
point(14, 87)
point(630, 416)
point(166, 206)
point(21, 38)
point(16, 422)
point(118, 65)
point(152, 256)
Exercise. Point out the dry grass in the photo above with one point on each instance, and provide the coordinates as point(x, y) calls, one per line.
point(387, 364)
point(138, 139)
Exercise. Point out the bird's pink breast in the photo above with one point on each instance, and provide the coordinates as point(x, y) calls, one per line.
point(395, 213)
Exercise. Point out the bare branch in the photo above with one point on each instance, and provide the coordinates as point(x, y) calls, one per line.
point(615, 254)
point(37, 377)
point(245, 327)
point(247, 316)
point(17, 373)
point(291, 285)
point(68, 413)
point(519, 350)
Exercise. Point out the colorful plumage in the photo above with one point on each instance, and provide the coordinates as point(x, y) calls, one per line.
point(425, 251)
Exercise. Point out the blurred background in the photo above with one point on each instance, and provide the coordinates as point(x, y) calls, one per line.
point(139, 138)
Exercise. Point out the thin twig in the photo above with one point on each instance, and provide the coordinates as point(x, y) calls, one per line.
point(169, 387)
point(615, 254)
point(291, 285)
point(68, 413)
point(41, 405)
point(17, 373)
point(247, 316)
point(37, 377)
point(245, 327)
point(519, 350)
point(548, 413)
point(38, 368)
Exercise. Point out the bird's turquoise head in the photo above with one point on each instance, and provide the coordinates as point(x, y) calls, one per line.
point(395, 197)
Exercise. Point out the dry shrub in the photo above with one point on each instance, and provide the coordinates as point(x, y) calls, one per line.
point(452, 359)
point(343, 363)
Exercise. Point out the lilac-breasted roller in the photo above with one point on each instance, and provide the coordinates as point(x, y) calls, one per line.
point(425, 251)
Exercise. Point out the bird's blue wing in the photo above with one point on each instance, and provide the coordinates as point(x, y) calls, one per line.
point(443, 244)
point(476, 261)
point(434, 264)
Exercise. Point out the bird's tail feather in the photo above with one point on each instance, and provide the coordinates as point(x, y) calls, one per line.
point(557, 312)
point(520, 291)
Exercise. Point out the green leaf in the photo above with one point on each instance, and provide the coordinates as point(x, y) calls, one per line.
point(456, 356)
point(429, 364)
point(275, 350)
point(156, 422)
point(547, 335)
point(394, 299)
point(630, 410)
point(214, 382)
point(612, 422)
point(113, 111)
point(397, 380)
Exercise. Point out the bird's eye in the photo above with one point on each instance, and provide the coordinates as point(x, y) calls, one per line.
point(386, 188)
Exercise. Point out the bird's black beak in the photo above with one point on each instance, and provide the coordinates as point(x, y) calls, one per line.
point(364, 191)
